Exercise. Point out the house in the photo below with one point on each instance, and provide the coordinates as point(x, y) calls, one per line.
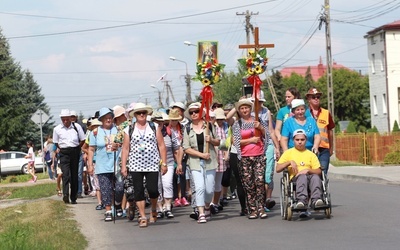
point(384, 75)
point(316, 71)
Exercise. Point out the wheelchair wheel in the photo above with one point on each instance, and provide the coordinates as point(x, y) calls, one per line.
point(289, 213)
point(328, 213)
point(283, 200)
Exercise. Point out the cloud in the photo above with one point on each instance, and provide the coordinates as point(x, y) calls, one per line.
point(53, 62)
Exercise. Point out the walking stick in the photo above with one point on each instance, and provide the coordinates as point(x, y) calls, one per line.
point(115, 166)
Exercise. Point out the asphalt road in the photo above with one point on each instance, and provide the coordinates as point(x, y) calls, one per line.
point(365, 216)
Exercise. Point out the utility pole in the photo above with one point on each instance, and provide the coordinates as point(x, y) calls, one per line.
point(249, 26)
point(188, 87)
point(329, 78)
point(169, 91)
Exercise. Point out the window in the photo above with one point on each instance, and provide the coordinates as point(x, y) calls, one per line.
point(384, 108)
point(373, 63)
point(375, 108)
point(382, 61)
point(372, 39)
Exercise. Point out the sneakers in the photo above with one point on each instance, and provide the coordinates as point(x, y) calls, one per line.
point(131, 212)
point(194, 215)
point(304, 214)
point(224, 202)
point(270, 203)
point(99, 207)
point(300, 205)
point(177, 203)
point(169, 214)
point(119, 211)
point(160, 215)
point(319, 203)
point(233, 195)
point(184, 202)
point(108, 216)
point(202, 219)
point(214, 208)
point(79, 196)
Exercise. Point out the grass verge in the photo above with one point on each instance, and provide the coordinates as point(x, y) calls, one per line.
point(28, 192)
point(21, 178)
point(346, 163)
point(41, 224)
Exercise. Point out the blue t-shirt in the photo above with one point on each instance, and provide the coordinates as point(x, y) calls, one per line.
point(104, 156)
point(286, 112)
point(310, 127)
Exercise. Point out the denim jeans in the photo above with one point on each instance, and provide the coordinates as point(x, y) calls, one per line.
point(80, 173)
point(51, 176)
point(270, 166)
point(204, 182)
point(324, 159)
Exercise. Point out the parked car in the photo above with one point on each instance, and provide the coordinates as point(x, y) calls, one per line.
point(13, 162)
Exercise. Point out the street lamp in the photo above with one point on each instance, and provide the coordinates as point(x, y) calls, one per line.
point(188, 43)
point(187, 80)
point(159, 95)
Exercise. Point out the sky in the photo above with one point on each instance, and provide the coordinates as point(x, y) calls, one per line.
point(95, 53)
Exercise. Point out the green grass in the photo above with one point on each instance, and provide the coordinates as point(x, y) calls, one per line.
point(35, 191)
point(346, 163)
point(39, 225)
point(21, 178)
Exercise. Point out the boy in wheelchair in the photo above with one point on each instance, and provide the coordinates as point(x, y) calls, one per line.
point(304, 169)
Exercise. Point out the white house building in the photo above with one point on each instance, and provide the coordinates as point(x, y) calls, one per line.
point(384, 75)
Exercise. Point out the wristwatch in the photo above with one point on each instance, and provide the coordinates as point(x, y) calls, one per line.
point(164, 164)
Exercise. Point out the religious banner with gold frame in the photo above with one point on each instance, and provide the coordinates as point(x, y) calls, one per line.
point(206, 50)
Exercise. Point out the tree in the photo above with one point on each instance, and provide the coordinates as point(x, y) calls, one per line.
point(396, 127)
point(229, 89)
point(20, 98)
point(349, 104)
point(351, 128)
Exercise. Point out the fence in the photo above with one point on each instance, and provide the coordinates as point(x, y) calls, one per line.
point(365, 148)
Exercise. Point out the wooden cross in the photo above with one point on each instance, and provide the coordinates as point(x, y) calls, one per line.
point(256, 46)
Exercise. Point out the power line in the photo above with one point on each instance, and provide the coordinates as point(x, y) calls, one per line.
point(139, 23)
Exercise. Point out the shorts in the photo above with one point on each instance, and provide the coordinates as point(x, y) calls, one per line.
point(59, 171)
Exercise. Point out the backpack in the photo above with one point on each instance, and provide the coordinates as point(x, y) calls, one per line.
point(132, 128)
point(47, 156)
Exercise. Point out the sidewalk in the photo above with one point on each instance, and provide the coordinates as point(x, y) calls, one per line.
point(374, 174)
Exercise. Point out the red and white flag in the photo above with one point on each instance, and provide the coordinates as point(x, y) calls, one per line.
point(163, 77)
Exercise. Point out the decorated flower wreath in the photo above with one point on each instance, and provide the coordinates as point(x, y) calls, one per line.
point(209, 72)
point(256, 62)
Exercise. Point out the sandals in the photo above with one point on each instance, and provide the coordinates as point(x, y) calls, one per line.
point(202, 219)
point(263, 215)
point(253, 215)
point(143, 222)
point(207, 213)
point(59, 193)
point(153, 216)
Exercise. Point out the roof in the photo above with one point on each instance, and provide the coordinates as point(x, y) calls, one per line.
point(316, 71)
point(389, 26)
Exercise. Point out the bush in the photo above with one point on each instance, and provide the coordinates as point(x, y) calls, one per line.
point(373, 130)
point(396, 127)
point(351, 128)
point(393, 157)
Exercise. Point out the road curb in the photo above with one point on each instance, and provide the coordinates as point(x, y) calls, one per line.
point(359, 178)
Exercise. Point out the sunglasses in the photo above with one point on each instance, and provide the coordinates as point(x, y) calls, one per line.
point(141, 113)
point(315, 96)
point(194, 112)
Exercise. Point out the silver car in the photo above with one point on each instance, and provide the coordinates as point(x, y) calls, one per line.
point(13, 162)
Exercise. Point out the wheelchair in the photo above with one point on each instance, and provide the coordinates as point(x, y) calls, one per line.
point(288, 197)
